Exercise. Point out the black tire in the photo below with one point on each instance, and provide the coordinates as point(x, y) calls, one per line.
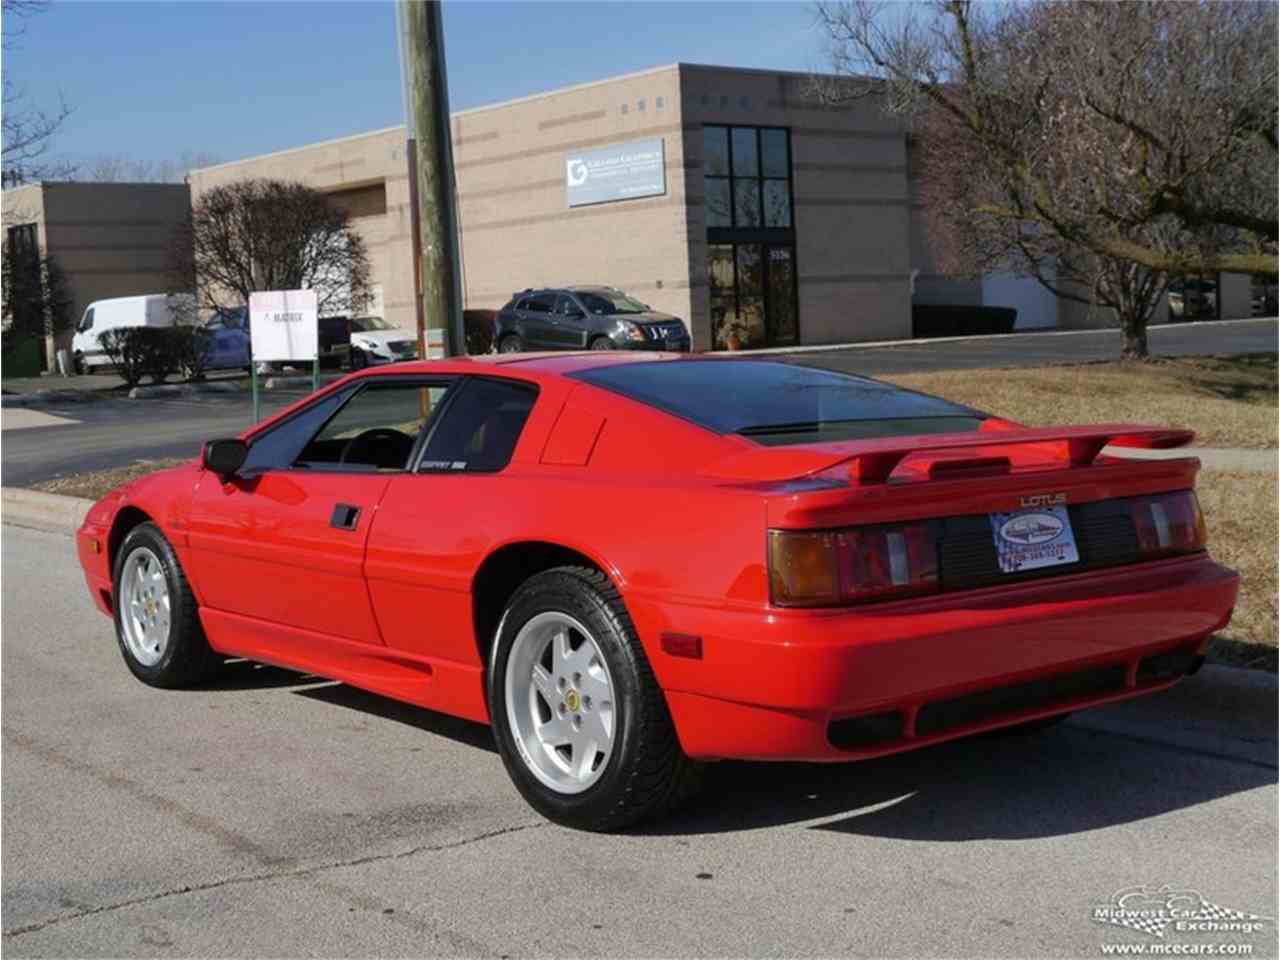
point(601, 343)
point(77, 364)
point(187, 657)
point(510, 344)
point(647, 774)
point(358, 360)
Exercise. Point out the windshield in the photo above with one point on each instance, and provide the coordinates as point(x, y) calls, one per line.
point(775, 403)
point(605, 302)
point(362, 324)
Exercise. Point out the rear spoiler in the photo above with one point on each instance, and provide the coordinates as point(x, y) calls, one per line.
point(874, 461)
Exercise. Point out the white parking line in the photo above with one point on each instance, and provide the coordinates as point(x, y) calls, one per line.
point(22, 418)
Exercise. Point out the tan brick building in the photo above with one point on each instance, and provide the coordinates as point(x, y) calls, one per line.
point(110, 239)
point(779, 216)
point(813, 248)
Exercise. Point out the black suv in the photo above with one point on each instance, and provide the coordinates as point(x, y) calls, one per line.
point(577, 318)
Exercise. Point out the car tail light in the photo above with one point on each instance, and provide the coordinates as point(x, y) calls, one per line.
point(828, 568)
point(1168, 524)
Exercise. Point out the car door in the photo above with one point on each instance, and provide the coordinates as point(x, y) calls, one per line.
point(436, 523)
point(283, 542)
point(537, 321)
point(570, 330)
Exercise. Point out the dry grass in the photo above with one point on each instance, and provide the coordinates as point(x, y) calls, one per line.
point(1227, 401)
point(94, 485)
point(1240, 510)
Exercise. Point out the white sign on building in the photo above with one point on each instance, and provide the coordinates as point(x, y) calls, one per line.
point(283, 325)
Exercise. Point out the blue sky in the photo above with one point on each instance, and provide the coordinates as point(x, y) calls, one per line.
point(154, 80)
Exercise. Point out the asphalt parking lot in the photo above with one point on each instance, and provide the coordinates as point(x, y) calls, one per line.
point(273, 814)
point(116, 432)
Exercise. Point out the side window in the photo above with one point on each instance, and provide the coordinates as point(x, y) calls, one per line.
point(375, 430)
point(280, 446)
point(566, 306)
point(87, 322)
point(480, 427)
point(541, 303)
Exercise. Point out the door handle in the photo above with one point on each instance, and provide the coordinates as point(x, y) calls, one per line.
point(344, 517)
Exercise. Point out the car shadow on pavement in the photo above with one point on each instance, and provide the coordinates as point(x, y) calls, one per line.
point(455, 728)
point(1020, 786)
point(248, 675)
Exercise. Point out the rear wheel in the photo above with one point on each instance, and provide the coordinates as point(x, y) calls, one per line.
point(358, 359)
point(510, 344)
point(601, 343)
point(157, 625)
point(581, 723)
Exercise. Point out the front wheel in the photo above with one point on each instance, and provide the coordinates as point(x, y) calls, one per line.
point(510, 344)
point(358, 359)
point(157, 625)
point(580, 721)
point(601, 343)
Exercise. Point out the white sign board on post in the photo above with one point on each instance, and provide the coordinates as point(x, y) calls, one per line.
point(284, 325)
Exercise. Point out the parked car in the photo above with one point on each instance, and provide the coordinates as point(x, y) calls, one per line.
point(374, 340)
point(149, 310)
point(632, 564)
point(228, 331)
point(587, 317)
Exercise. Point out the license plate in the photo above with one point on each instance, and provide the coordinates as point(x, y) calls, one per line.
point(1029, 539)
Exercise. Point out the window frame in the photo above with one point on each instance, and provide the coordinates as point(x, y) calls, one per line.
point(762, 235)
point(449, 381)
point(438, 417)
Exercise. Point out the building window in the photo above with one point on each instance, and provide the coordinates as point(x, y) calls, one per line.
point(750, 236)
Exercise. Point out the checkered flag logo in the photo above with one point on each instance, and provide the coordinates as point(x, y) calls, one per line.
point(1153, 912)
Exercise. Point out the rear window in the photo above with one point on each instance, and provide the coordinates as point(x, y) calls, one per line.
point(779, 403)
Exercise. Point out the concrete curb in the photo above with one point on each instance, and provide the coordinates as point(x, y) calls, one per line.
point(293, 383)
point(53, 512)
point(42, 398)
point(162, 390)
point(59, 396)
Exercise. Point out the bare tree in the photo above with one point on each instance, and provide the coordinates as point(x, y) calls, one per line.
point(270, 235)
point(26, 131)
point(1099, 147)
point(116, 168)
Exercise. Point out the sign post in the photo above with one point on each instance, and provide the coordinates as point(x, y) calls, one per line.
point(283, 326)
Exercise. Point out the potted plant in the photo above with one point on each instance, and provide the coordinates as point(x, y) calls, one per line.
point(736, 334)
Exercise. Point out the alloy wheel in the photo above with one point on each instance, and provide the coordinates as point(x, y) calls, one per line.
point(145, 610)
point(560, 702)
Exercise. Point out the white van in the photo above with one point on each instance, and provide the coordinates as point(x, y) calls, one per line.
point(150, 310)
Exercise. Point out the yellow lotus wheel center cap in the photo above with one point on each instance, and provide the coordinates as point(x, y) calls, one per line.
point(572, 700)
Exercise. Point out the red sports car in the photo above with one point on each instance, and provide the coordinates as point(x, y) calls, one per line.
point(630, 564)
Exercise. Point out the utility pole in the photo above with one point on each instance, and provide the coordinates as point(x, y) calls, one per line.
point(431, 184)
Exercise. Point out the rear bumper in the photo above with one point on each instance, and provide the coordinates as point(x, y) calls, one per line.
point(784, 685)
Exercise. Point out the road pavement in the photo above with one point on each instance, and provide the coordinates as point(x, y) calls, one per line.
point(1032, 349)
point(115, 432)
point(273, 814)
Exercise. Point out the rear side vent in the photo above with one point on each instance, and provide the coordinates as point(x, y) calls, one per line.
point(850, 733)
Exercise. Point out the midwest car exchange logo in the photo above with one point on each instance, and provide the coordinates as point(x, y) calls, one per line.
point(1157, 912)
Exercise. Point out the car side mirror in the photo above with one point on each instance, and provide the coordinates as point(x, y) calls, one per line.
point(224, 457)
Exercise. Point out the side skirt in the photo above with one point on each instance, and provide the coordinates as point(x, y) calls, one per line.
point(453, 688)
